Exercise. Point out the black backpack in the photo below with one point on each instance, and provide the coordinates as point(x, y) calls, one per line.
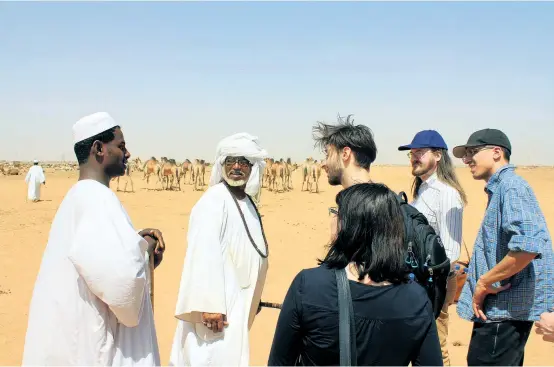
point(425, 254)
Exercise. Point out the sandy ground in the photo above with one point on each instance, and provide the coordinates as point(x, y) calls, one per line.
point(297, 226)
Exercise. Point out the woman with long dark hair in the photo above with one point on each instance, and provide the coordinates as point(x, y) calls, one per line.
point(393, 318)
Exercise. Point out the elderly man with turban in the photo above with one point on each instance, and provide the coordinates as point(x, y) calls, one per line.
point(226, 262)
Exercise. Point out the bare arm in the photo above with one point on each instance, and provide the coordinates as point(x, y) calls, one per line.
point(510, 265)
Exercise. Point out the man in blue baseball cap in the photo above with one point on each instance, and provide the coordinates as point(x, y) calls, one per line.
point(439, 196)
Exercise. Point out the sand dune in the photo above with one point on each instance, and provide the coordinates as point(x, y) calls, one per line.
point(297, 226)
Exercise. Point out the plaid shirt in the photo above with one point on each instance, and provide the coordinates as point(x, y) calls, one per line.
point(513, 222)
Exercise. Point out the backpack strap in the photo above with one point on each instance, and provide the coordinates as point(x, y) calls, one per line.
point(347, 327)
point(408, 230)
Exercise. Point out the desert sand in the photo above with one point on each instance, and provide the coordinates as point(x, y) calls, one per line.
point(297, 228)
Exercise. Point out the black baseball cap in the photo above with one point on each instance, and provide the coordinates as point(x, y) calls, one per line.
point(484, 137)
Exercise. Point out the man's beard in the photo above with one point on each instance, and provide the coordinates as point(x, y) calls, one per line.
point(234, 183)
point(419, 169)
point(115, 170)
point(334, 176)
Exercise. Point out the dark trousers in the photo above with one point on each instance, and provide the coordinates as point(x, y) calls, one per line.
point(498, 343)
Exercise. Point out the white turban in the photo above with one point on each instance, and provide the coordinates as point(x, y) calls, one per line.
point(240, 145)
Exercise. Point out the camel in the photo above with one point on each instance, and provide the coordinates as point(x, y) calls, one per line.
point(203, 171)
point(137, 164)
point(198, 171)
point(311, 171)
point(313, 177)
point(151, 167)
point(289, 168)
point(127, 177)
point(266, 175)
point(185, 168)
point(306, 167)
point(277, 175)
point(169, 173)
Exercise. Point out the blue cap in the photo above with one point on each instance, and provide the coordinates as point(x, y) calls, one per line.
point(426, 139)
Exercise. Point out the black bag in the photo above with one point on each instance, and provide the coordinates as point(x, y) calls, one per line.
point(425, 254)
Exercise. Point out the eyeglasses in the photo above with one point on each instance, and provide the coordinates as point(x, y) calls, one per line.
point(418, 154)
point(470, 152)
point(333, 210)
point(230, 161)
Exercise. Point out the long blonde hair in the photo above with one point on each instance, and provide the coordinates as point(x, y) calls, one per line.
point(445, 173)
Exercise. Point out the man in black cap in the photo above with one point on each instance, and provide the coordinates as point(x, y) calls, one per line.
point(439, 196)
point(511, 272)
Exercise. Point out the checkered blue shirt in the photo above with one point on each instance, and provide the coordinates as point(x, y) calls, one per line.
point(513, 222)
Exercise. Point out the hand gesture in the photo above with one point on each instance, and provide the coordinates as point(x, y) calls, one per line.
point(214, 321)
point(545, 326)
point(481, 291)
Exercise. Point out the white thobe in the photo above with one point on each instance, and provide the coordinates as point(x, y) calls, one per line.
point(35, 177)
point(222, 273)
point(91, 305)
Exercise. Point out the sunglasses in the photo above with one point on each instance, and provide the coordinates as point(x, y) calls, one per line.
point(333, 210)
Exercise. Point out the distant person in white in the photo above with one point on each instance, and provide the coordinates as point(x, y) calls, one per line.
point(91, 304)
point(35, 178)
point(225, 264)
point(440, 197)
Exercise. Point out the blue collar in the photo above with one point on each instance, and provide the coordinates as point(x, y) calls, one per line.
point(495, 179)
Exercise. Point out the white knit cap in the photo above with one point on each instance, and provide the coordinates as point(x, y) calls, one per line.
point(92, 125)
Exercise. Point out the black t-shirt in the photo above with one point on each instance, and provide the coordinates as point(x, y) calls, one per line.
point(394, 323)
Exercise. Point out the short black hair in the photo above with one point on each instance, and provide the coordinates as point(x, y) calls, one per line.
point(506, 154)
point(370, 233)
point(359, 138)
point(82, 148)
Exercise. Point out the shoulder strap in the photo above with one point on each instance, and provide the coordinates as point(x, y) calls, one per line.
point(347, 327)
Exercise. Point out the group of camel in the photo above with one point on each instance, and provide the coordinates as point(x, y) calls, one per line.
point(276, 176)
point(278, 173)
point(169, 174)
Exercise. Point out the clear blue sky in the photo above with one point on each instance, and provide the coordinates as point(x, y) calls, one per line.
point(180, 76)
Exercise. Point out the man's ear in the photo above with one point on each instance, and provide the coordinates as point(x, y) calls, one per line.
point(497, 154)
point(346, 153)
point(98, 148)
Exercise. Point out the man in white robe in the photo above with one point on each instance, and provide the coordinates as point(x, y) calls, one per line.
point(91, 304)
point(226, 262)
point(35, 178)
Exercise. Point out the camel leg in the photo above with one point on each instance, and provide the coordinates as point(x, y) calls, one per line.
point(158, 181)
